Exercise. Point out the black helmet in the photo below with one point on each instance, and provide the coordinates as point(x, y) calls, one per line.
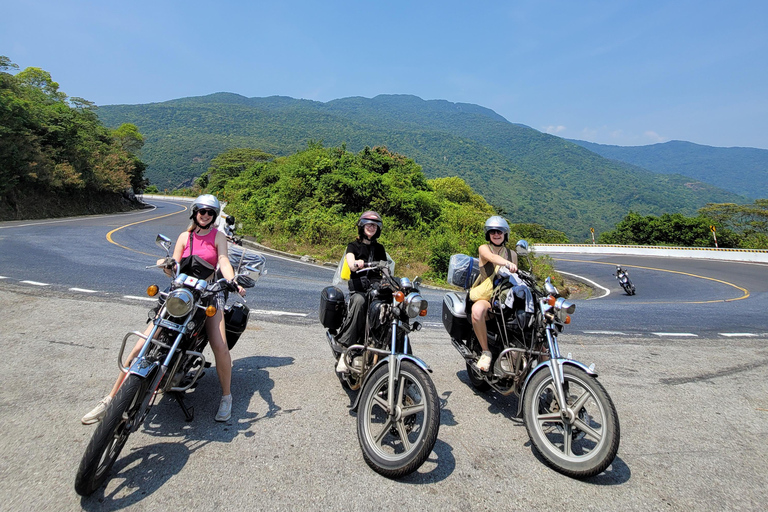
point(496, 223)
point(369, 217)
point(205, 202)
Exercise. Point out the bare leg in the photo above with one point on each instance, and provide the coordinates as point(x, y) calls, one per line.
point(217, 337)
point(134, 352)
point(479, 316)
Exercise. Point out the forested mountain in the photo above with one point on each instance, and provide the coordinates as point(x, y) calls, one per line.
point(531, 176)
point(740, 170)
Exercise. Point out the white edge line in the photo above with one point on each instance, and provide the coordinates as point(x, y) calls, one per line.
point(139, 298)
point(685, 334)
point(607, 291)
point(612, 333)
point(35, 283)
point(738, 334)
point(83, 290)
point(80, 217)
point(277, 313)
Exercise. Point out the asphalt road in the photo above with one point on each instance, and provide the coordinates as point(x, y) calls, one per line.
point(693, 409)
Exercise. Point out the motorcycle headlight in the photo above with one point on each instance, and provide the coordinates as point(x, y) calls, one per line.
point(563, 308)
point(414, 305)
point(179, 302)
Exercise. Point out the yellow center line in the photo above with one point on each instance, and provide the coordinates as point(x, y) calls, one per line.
point(743, 290)
point(109, 235)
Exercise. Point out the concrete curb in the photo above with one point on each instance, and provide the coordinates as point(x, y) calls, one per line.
point(746, 255)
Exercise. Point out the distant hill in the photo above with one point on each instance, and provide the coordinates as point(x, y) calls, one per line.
point(531, 176)
point(742, 171)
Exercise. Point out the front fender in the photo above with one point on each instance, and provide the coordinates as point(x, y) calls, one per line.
point(398, 358)
point(546, 364)
point(143, 368)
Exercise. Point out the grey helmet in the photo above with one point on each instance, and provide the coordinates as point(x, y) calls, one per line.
point(496, 223)
point(203, 202)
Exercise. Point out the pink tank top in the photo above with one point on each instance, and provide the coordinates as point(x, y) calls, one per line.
point(203, 246)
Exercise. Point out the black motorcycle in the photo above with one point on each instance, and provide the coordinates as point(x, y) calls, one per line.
point(569, 416)
point(624, 281)
point(398, 411)
point(171, 360)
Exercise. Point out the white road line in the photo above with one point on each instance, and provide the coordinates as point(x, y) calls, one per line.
point(681, 334)
point(83, 290)
point(606, 290)
point(3, 277)
point(612, 333)
point(738, 334)
point(35, 283)
point(150, 299)
point(277, 313)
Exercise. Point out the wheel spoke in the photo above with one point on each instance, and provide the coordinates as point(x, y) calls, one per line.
point(567, 440)
point(413, 409)
point(552, 416)
point(403, 435)
point(578, 404)
point(381, 402)
point(579, 423)
point(382, 432)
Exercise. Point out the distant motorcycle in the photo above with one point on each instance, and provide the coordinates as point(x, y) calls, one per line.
point(570, 418)
point(398, 410)
point(171, 360)
point(624, 281)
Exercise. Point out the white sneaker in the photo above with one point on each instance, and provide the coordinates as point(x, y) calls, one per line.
point(341, 367)
point(225, 408)
point(484, 363)
point(98, 412)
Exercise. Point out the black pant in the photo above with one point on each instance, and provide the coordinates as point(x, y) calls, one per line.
point(353, 328)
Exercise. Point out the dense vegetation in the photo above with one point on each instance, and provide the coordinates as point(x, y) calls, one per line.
point(55, 152)
point(736, 226)
point(531, 176)
point(309, 203)
point(741, 170)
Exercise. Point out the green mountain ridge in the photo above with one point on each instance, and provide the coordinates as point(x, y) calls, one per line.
point(531, 176)
point(740, 170)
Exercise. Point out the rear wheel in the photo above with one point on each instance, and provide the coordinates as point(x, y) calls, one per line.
point(477, 380)
point(397, 444)
point(110, 436)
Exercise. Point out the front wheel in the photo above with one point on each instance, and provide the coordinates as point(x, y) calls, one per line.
point(396, 443)
point(110, 436)
point(580, 448)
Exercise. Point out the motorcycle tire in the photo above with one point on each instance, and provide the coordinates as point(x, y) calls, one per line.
point(477, 381)
point(110, 436)
point(418, 421)
point(586, 447)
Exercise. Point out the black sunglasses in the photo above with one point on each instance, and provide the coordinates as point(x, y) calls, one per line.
point(207, 211)
point(495, 232)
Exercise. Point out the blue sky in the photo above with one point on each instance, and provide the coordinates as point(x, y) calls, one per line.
point(613, 72)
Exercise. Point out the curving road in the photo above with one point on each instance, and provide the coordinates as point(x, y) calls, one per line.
point(105, 257)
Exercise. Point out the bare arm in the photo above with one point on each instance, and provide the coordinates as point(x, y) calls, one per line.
point(487, 256)
point(222, 249)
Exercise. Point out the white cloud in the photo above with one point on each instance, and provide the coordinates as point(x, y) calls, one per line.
point(653, 136)
point(552, 130)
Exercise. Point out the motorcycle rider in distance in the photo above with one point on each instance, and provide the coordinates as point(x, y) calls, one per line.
point(619, 272)
point(210, 244)
point(492, 255)
point(366, 249)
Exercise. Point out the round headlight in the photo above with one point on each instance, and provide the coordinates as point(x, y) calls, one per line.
point(414, 303)
point(179, 302)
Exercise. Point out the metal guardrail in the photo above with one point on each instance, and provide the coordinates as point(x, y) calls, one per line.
point(748, 255)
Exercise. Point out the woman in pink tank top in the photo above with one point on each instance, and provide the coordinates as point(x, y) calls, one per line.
point(210, 244)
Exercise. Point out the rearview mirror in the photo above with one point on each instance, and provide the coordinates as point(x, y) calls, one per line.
point(164, 242)
point(521, 248)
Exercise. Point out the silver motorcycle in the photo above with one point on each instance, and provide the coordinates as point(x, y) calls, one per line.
point(570, 418)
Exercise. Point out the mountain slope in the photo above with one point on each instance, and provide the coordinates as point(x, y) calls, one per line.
point(533, 177)
point(740, 170)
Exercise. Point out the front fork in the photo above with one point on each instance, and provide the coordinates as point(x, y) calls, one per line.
point(556, 370)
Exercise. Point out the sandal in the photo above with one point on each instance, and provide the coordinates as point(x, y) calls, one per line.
point(484, 363)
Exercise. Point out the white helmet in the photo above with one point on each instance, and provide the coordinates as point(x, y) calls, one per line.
point(497, 223)
point(205, 202)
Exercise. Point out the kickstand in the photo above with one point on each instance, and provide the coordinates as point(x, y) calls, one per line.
point(189, 412)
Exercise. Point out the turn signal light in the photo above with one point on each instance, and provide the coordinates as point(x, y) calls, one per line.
point(210, 311)
point(567, 319)
point(423, 312)
point(399, 296)
point(152, 290)
point(551, 300)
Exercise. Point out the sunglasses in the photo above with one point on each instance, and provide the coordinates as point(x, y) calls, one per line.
point(495, 232)
point(207, 211)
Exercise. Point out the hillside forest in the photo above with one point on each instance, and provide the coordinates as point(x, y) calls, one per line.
point(55, 153)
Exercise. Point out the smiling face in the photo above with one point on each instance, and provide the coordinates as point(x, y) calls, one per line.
point(497, 237)
point(369, 230)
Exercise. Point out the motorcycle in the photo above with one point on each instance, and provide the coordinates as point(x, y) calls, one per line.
point(624, 281)
point(398, 410)
point(569, 417)
point(171, 360)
